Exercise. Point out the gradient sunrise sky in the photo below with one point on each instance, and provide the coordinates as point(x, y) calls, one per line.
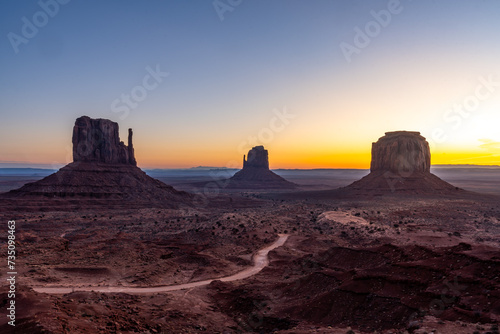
point(315, 81)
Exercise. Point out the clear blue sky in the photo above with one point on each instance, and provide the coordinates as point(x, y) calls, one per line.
point(227, 76)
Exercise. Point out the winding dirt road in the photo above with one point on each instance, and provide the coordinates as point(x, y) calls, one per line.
point(260, 260)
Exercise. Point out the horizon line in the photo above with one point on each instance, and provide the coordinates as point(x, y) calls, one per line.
point(27, 165)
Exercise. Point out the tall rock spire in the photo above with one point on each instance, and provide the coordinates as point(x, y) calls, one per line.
point(130, 147)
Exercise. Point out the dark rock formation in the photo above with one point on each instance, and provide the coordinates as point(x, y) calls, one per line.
point(130, 148)
point(401, 162)
point(256, 173)
point(104, 168)
point(401, 152)
point(97, 140)
point(97, 181)
point(258, 157)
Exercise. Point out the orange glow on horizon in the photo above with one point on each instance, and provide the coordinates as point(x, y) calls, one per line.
point(280, 157)
point(358, 161)
point(465, 158)
point(338, 160)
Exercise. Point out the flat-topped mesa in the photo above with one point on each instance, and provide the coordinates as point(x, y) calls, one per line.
point(401, 162)
point(258, 157)
point(97, 140)
point(401, 152)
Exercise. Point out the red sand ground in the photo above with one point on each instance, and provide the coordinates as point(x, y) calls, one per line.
point(353, 263)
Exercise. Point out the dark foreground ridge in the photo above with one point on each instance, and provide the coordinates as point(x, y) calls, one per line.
point(103, 167)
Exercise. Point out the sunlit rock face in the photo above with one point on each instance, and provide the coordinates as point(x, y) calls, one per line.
point(97, 140)
point(401, 152)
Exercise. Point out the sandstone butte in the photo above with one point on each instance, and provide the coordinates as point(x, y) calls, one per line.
point(401, 162)
point(103, 167)
point(256, 173)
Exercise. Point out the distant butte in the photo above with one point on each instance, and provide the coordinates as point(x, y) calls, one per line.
point(103, 168)
point(97, 140)
point(256, 173)
point(401, 162)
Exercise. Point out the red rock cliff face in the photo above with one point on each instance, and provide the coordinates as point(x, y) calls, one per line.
point(97, 140)
point(401, 152)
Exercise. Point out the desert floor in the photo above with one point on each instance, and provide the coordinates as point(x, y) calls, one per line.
point(363, 264)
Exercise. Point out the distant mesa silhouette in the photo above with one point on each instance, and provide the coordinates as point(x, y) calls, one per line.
point(258, 157)
point(401, 162)
point(256, 173)
point(103, 167)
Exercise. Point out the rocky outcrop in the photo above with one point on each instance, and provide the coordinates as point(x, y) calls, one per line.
point(401, 163)
point(97, 140)
point(103, 172)
point(256, 173)
point(106, 184)
point(401, 152)
point(258, 157)
point(130, 149)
